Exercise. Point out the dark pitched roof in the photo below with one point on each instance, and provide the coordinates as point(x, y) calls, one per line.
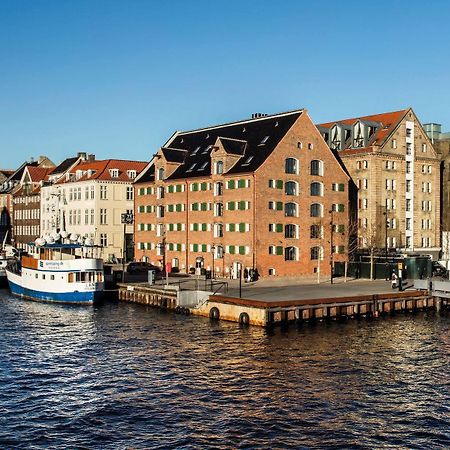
point(254, 139)
point(65, 165)
point(174, 154)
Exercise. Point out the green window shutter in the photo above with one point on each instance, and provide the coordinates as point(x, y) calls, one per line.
point(194, 206)
point(141, 208)
point(279, 250)
point(231, 206)
point(232, 227)
point(142, 191)
point(341, 207)
point(241, 184)
point(178, 188)
point(231, 250)
point(204, 226)
point(279, 184)
point(204, 186)
point(242, 227)
point(242, 250)
point(195, 247)
point(241, 205)
point(170, 208)
point(204, 206)
point(231, 184)
point(342, 187)
point(279, 206)
point(279, 227)
point(179, 227)
point(204, 247)
point(341, 228)
point(170, 188)
point(195, 226)
point(149, 190)
point(178, 207)
point(179, 247)
point(149, 209)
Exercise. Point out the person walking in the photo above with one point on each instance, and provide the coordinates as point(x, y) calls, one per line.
point(394, 280)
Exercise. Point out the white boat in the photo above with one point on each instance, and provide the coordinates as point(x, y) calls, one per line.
point(55, 274)
point(7, 255)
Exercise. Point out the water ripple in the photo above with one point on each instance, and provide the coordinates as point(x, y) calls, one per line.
point(129, 377)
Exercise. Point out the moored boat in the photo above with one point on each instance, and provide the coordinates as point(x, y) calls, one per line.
point(56, 274)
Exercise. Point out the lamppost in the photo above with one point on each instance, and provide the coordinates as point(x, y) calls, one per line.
point(386, 226)
point(331, 246)
point(213, 250)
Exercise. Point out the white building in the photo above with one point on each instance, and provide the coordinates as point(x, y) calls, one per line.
point(89, 199)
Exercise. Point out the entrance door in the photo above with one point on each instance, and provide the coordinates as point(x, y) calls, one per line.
point(236, 269)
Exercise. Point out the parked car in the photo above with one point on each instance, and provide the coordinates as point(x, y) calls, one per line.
point(140, 266)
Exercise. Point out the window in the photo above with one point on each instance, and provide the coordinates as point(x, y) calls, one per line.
point(218, 230)
point(129, 195)
point(408, 132)
point(316, 253)
point(290, 209)
point(290, 165)
point(316, 167)
point(264, 140)
point(103, 192)
point(248, 161)
point(218, 209)
point(160, 211)
point(408, 166)
point(424, 148)
point(103, 239)
point(160, 192)
point(316, 210)
point(102, 216)
point(218, 188)
point(290, 254)
point(316, 189)
point(394, 143)
point(114, 173)
point(131, 174)
point(408, 185)
point(290, 188)
point(161, 173)
point(408, 223)
point(408, 148)
point(219, 167)
point(290, 231)
point(408, 204)
point(316, 232)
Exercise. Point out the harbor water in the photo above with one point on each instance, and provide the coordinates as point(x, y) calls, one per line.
point(124, 376)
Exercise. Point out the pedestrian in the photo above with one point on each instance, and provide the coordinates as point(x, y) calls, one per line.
point(231, 272)
point(245, 275)
point(394, 279)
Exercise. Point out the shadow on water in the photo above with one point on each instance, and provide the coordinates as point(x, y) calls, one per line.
point(129, 376)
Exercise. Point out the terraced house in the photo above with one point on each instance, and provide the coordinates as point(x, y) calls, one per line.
point(265, 194)
point(397, 171)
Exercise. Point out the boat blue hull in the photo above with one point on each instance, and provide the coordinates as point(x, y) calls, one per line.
point(75, 298)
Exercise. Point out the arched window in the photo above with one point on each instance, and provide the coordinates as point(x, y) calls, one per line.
point(290, 188)
point(316, 231)
point(219, 167)
point(290, 254)
point(316, 210)
point(290, 231)
point(161, 173)
point(290, 209)
point(316, 253)
point(291, 165)
point(316, 189)
point(316, 167)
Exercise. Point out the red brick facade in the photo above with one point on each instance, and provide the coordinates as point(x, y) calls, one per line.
point(258, 228)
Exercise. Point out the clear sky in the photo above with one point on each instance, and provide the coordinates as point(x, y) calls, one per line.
point(117, 78)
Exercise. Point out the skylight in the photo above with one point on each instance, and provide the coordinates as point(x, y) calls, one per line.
point(264, 140)
point(203, 167)
point(247, 161)
point(205, 152)
point(196, 150)
point(191, 168)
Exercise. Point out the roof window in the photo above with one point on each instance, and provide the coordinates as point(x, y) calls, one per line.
point(114, 173)
point(191, 168)
point(264, 140)
point(207, 149)
point(131, 174)
point(248, 161)
point(203, 166)
point(196, 150)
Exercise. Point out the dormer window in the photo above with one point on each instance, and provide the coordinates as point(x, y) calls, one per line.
point(161, 173)
point(335, 138)
point(114, 173)
point(358, 136)
point(90, 172)
point(79, 174)
point(219, 167)
point(131, 174)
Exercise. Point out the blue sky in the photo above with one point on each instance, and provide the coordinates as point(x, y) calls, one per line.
point(118, 78)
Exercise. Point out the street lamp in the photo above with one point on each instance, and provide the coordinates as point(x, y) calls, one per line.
point(126, 219)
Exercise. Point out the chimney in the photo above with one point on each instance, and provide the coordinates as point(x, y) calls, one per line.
point(91, 157)
point(82, 155)
point(258, 115)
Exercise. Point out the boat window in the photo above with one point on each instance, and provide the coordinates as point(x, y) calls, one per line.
point(52, 277)
point(36, 275)
point(99, 277)
point(70, 277)
point(43, 276)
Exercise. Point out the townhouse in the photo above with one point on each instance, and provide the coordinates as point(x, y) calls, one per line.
point(88, 199)
point(265, 193)
point(397, 171)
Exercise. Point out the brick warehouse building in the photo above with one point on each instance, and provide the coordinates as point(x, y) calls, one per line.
point(397, 171)
point(261, 193)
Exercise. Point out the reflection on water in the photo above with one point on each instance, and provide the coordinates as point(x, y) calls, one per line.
point(127, 376)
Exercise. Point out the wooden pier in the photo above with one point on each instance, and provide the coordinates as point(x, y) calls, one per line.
point(270, 313)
